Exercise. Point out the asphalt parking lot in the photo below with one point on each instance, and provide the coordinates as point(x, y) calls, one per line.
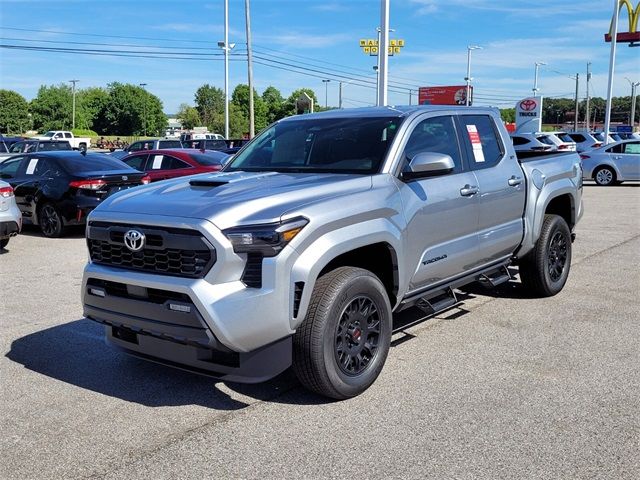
point(502, 387)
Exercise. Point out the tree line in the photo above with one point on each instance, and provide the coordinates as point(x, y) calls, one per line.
point(130, 110)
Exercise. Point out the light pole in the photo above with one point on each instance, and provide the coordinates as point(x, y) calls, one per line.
point(535, 78)
point(73, 114)
point(144, 107)
point(326, 90)
point(247, 14)
point(612, 65)
point(226, 47)
point(468, 77)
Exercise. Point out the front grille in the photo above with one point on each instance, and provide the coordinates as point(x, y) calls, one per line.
point(170, 251)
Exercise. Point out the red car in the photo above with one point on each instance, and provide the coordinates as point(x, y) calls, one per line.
point(171, 163)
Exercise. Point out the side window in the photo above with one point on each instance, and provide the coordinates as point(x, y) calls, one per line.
point(134, 147)
point(519, 140)
point(615, 149)
point(136, 161)
point(632, 147)
point(172, 163)
point(9, 168)
point(43, 167)
point(482, 136)
point(67, 135)
point(436, 134)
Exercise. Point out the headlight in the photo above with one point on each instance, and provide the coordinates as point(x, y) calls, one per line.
point(267, 239)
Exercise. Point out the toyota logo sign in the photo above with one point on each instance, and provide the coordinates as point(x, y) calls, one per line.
point(528, 105)
point(134, 240)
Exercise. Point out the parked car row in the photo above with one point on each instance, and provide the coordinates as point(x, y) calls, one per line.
point(565, 141)
point(57, 189)
point(613, 163)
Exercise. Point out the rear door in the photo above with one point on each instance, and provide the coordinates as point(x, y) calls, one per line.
point(442, 211)
point(501, 184)
point(162, 166)
point(629, 160)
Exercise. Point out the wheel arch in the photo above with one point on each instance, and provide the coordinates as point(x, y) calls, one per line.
point(610, 165)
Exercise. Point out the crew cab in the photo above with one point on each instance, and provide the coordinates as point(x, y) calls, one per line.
point(77, 143)
point(316, 233)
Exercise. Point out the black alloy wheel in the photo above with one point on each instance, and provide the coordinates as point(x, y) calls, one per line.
point(50, 221)
point(557, 256)
point(357, 336)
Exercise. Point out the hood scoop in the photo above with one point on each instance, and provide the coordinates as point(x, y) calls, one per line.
point(207, 183)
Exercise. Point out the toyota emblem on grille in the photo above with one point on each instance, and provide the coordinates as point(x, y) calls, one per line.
point(134, 240)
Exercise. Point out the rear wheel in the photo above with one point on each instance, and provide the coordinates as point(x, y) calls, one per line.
point(544, 271)
point(50, 220)
point(343, 342)
point(605, 176)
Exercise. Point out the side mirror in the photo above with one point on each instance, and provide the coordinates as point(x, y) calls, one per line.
point(428, 164)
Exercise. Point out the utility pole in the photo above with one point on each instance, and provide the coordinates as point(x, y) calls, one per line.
point(410, 96)
point(587, 106)
point(339, 94)
point(73, 114)
point(612, 62)
point(575, 118)
point(383, 53)
point(252, 128)
point(226, 69)
point(145, 107)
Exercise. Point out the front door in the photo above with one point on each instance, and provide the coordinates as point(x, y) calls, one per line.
point(442, 211)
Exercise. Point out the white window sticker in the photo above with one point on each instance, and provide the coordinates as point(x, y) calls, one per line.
point(474, 136)
point(157, 162)
point(32, 166)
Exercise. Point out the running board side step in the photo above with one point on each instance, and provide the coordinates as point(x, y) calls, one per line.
point(438, 303)
point(493, 279)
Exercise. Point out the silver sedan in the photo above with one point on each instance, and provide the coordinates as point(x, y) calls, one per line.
point(10, 216)
point(613, 163)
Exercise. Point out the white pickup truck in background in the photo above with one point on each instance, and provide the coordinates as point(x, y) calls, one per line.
point(77, 143)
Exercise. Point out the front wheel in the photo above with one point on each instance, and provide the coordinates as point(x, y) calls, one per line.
point(343, 342)
point(544, 270)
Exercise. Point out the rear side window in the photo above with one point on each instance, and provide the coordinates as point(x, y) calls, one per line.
point(9, 168)
point(166, 162)
point(435, 134)
point(632, 147)
point(482, 137)
point(545, 139)
point(564, 137)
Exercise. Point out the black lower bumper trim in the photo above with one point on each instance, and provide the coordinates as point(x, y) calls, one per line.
point(8, 229)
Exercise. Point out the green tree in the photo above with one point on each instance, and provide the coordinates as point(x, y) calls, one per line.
point(210, 104)
point(273, 101)
point(289, 107)
point(189, 116)
point(14, 112)
point(131, 110)
point(240, 98)
point(51, 109)
point(508, 115)
point(90, 105)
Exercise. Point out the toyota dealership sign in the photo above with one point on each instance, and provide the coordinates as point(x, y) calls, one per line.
point(529, 115)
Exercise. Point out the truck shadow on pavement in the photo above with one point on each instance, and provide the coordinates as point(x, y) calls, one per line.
point(75, 353)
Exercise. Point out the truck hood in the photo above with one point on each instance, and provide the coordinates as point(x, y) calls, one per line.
point(234, 198)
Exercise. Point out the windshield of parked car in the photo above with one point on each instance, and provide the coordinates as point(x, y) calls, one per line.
point(49, 134)
point(320, 145)
point(213, 158)
point(54, 146)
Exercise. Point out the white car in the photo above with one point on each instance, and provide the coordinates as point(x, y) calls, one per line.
point(10, 215)
point(562, 141)
point(612, 164)
point(532, 142)
point(584, 141)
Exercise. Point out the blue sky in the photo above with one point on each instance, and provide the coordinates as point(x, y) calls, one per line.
point(298, 43)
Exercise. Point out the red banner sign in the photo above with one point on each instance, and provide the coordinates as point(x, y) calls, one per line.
point(453, 95)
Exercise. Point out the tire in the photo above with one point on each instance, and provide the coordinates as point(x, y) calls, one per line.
point(341, 346)
point(50, 221)
point(3, 243)
point(605, 176)
point(544, 270)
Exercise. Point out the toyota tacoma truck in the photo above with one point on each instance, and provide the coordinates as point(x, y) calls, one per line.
point(318, 231)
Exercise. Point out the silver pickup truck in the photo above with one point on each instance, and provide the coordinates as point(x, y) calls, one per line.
point(303, 248)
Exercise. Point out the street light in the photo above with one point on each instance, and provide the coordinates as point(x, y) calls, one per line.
point(326, 89)
point(633, 102)
point(144, 107)
point(535, 78)
point(468, 77)
point(73, 114)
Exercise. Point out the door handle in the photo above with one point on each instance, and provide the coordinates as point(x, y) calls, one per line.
point(514, 181)
point(617, 157)
point(468, 190)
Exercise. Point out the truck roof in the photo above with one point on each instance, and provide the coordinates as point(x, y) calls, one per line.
point(388, 111)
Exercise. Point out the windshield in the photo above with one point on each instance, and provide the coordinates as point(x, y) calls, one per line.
point(214, 158)
point(49, 134)
point(320, 145)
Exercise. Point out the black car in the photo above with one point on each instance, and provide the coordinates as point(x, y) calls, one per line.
point(59, 189)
